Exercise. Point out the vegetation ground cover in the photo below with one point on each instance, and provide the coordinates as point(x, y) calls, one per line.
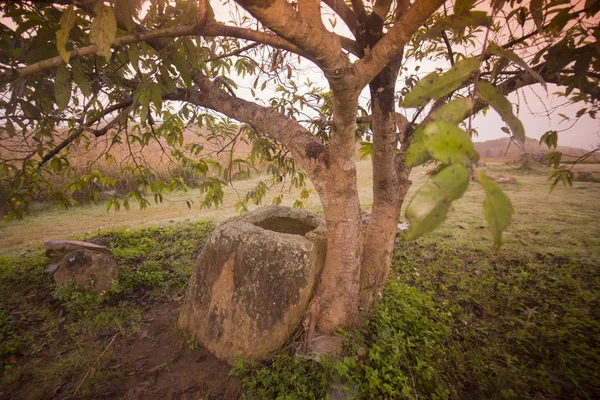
point(457, 320)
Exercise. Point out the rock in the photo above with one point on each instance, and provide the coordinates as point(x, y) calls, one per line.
point(509, 180)
point(83, 266)
point(253, 281)
point(81, 262)
point(56, 250)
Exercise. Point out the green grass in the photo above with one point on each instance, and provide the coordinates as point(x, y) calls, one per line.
point(72, 326)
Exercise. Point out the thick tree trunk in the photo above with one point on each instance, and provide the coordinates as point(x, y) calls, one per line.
point(336, 297)
point(390, 183)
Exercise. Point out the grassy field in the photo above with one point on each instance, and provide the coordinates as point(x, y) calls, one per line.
point(458, 320)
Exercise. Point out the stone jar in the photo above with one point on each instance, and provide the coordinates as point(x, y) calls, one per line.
point(253, 281)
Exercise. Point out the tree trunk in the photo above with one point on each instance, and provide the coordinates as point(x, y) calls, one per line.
point(390, 184)
point(336, 295)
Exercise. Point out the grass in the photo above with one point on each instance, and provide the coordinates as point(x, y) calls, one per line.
point(458, 320)
point(52, 336)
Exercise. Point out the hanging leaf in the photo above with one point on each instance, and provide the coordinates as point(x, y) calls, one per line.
point(454, 111)
point(448, 143)
point(496, 207)
point(430, 205)
point(501, 104)
point(126, 9)
point(67, 20)
point(103, 29)
point(493, 48)
point(417, 153)
point(462, 6)
point(62, 87)
point(550, 138)
point(133, 52)
point(456, 22)
point(434, 86)
point(156, 95)
point(535, 8)
point(81, 81)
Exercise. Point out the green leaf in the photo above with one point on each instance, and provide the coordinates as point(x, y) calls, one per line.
point(461, 6)
point(456, 22)
point(366, 149)
point(501, 104)
point(67, 20)
point(434, 86)
point(496, 207)
point(454, 111)
point(126, 9)
point(430, 205)
point(156, 95)
point(417, 153)
point(493, 48)
point(448, 143)
point(133, 52)
point(550, 138)
point(62, 87)
point(103, 29)
point(81, 81)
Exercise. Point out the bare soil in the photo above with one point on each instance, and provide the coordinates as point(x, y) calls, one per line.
point(156, 363)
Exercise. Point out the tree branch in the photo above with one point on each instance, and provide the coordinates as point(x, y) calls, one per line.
point(75, 134)
point(393, 41)
point(345, 13)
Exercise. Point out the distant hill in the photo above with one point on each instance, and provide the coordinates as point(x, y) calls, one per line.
point(505, 150)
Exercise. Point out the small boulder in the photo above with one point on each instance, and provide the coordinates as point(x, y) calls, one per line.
point(56, 250)
point(253, 281)
point(83, 266)
point(73, 260)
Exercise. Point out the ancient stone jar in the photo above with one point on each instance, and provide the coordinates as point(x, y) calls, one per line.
point(253, 281)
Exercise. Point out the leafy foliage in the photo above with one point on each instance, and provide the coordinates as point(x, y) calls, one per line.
point(430, 204)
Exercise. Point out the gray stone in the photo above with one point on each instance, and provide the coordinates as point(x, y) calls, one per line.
point(86, 266)
point(56, 250)
point(253, 281)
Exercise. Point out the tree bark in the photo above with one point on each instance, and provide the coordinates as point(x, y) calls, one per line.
point(388, 187)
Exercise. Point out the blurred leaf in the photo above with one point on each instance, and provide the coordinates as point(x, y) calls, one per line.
point(493, 48)
point(133, 52)
point(550, 138)
point(67, 20)
point(501, 104)
point(454, 111)
point(417, 153)
point(456, 22)
point(497, 208)
point(448, 143)
point(366, 149)
point(434, 86)
point(535, 8)
point(430, 205)
point(62, 87)
point(103, 29)
point(461, 6)
point(81, 81)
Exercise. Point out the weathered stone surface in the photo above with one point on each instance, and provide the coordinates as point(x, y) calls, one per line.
point(253, 281)
point(83, 266)
point(57, 249)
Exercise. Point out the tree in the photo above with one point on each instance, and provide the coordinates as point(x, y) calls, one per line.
point(133, 72)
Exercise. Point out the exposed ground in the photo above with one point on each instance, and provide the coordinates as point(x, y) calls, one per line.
point(458, 321)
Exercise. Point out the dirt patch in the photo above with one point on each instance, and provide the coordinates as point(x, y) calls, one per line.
point(156, 363)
